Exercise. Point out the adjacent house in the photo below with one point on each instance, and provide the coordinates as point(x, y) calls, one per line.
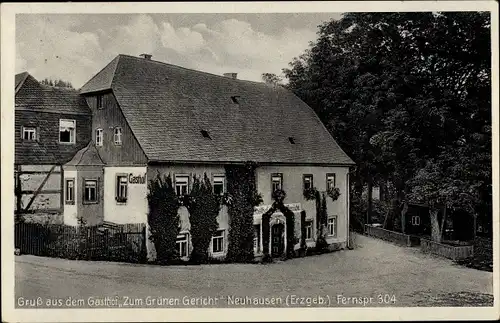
point(51, 125)
point(149, 118)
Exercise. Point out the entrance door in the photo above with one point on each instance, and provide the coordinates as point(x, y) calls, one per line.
point(277, 240)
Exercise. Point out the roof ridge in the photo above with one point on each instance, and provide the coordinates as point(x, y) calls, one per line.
point(189, 69)
point(24, 75)
point(51, 87)
point(316, 116)
point(102, 69)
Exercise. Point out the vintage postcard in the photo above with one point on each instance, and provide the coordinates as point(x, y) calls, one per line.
point(290, 161)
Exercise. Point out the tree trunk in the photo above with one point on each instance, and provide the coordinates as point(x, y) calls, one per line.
point(383, 190)
point(443, 222)
point(403, 217)
point(358, 185)
point(369, 202)
point(435, 228)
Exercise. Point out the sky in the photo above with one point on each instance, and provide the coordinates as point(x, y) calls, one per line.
point(74, 47)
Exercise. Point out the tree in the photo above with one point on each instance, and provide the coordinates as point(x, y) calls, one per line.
point(163, 218)
point(402, 91)
point(271, 78)
point(57, 83)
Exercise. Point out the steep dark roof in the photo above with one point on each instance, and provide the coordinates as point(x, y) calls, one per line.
point(168, 106)
point(20, 79)
point(87, 156)
point(34, 96)
point(32, 101)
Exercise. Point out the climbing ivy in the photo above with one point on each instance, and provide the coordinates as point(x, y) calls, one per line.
point(278, 205)
point(163, 218)
point(303, 245)
point(203, 207)
point(321, 212)
point(242, 188)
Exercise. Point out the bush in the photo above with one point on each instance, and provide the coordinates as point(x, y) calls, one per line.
point(203, 206)
point(241, 187)
point(163, 218)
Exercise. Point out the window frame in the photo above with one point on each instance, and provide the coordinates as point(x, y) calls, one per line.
point(72, 200)
point(218, 237)
point(256, 237)
point(415, 220)
point(309, 223)
point(182, 237)
point(273, 176)
point(304, 180)
point(35, 133)
point(176, 181)
point(223, 183)
point(97, 142)
point(328, 181)
point(99, 102)
point(121, 199)
point(334, 218)
point(72, 134)
point(116, 135)
point(84, 191)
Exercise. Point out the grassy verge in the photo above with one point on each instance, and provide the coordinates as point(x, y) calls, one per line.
point(483, 255)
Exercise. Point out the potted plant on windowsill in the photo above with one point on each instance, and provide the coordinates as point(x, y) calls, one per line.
point(121, 199)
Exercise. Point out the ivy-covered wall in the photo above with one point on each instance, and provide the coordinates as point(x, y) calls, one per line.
point(192, 170)
point(293, 185)
point(241, 187)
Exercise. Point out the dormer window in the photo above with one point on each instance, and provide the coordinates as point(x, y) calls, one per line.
point(117, 136)
point(235, 98)
point(205, 134)
point(292, 140)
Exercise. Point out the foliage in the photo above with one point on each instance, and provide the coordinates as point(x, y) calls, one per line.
point(290, 231)
point(279, 196)
point(357, 209)
point(310, 193)
point(242, 187)
point(321, 212)
point(333, 193)
point(303, 245)
point(163, 218)
point(322, 219)
point(62, 247)
point(271, 78)
point(278, 205)
point(203, 206)
point(266, 217)
point(408, 97)
point(57, 83)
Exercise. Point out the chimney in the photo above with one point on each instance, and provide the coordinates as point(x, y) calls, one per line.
point(146, 56)
point(233, 76)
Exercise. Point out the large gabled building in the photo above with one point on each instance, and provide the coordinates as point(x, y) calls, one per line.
point(149, 117)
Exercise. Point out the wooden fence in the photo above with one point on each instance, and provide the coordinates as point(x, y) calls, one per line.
point(112, 242)
point(392, 236)
point(446, 250)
